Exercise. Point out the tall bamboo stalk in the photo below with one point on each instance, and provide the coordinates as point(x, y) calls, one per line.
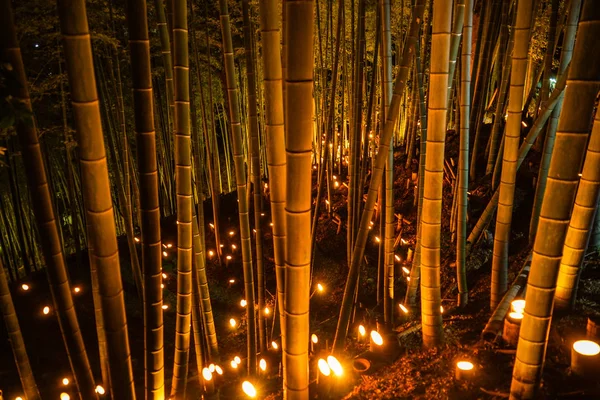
point(96, 191)
point(139, 46)
point(463, 158)
point(299, 87)
point(511, 152)
point(240, 180)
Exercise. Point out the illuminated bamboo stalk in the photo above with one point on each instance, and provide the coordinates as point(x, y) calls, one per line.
point(139, 46)
point(255, 173)
point(410, 298)
point(433, 334)
point(581, 224)
point(388, 236)
point(463, 158)
point(376, 178)
point(275, 135)
point(299, 86)
point(183, 188)
point(13, 329)
point(565, 59)
point(511, 151)
point(571, 140)
point(44, 212)
point(96, 191)
point(240, 179)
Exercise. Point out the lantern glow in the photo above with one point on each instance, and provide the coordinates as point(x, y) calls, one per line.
point(243, 303)
point(324, 367)
point(274, 345)
point(314, 338)
point(165, 306)
point(361, 330)
point(219, 370)
point(262, 364)
point(65, 381)
point(404, 309)
point(405, 270)
point(232, 322)
point(237, 360)
point(518, 306)
point(46, 310)
point(65, 396)
point(267, 311)
point(464, 365)
point(376, 338)
point(25, 287)
point(586, 347)
point(206, 374)
point(515, 315)
point(77, 289)
point(320, 287)
point(100, 390)
point(249, 389)
point(335, 366)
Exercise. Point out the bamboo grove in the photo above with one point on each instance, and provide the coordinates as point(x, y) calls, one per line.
point(157, 153)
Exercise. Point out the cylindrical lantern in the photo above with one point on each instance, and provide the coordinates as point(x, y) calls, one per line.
point(512, 326)
point(464, 371)
point(585, 358)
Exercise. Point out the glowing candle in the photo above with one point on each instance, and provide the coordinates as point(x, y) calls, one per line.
point(46, 310)
point(65, 381)
point(25, 287)
point(165, 306)
point(65, 396)
point(206, 374)
point(464, 370)
point(232, 322)
point(335, 366)
point(274, 345)
point(376, 338)
point(100, 390)
point(320, 287)
point(262, 364)
point(404, 309)
point(585, 359)
point(77, 289)
point(243, 303)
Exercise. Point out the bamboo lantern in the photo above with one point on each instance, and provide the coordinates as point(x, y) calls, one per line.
point(585, 358)
point(465, 370)
point(376, 344)
point(512, 326)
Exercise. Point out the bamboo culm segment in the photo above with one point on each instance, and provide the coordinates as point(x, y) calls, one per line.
point(511, 151)
point(240, 179)
point(102, 236)
point(147, 167)
point(299, 132)
point(184, 199)
point(431, 316)
point(563, 178)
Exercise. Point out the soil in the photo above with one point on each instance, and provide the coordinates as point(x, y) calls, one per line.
point(415, 374)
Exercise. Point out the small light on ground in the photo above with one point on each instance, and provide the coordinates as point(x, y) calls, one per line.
point(243, 303)
point(218, 370)
point(324, 367)
point(404, 309)
point(335, 366)
point(586, 347)
point(211, 368)
point(405, 270)
point(274, 345)
point(25, 287)
point(233, 364)
point(262, 364)
point(65, 381)
point(361, 330)
point(137, 239)
point(65, 396)
point(232, 322)
point(518, 306)
point(231, 233)
point(320, 287)
point(164, 275)
point(228, 257)
point(515, 315)
point(376, 337)
point(397, 257)
point(314, 338)
point(46, 310)
point(77, 289)
point(165, 254)
point(165, 306)
point(100, 390)
point(211, 253)
point(232, 281)
point(237, 360)
point(249, 389)
point(206, 374)
point(267, 311)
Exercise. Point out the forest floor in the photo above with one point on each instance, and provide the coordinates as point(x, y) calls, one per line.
point(415, 374)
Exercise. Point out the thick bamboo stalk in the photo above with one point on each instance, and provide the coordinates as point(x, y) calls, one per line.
point(433, 334)
point(139, 46)
point(571, 140)
point(511, 151)
point(275, 135)
point(44, 212)
point(96, 191)
point(299, 87)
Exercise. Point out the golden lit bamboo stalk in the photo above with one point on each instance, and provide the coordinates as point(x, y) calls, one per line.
point(299, 132)
point(512, 138)
point(139, 46)
point(96, 191)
